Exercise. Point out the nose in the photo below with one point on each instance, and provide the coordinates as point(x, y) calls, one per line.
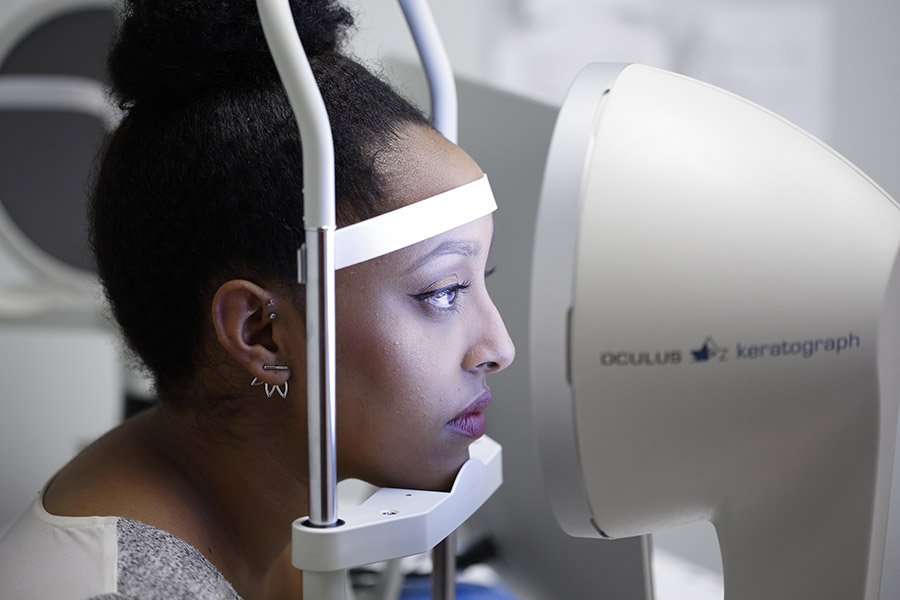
point(492, 349)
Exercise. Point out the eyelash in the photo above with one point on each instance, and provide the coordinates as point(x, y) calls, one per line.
point(434, 295)
point(454, 290)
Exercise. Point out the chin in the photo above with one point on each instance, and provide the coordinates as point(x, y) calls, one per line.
point(434, 478)
point(444, 481)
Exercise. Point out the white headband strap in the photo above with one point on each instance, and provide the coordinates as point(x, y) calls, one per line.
point(412, 223)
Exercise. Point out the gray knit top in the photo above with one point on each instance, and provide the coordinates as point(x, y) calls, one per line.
point(155, 565)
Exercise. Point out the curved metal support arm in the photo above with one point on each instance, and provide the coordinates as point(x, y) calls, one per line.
point(478, 477)
point(318, 257)
point(444, 112)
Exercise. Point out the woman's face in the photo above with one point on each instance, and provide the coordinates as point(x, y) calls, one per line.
point(417, 337)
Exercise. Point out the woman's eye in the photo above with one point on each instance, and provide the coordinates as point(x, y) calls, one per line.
point(443, 298)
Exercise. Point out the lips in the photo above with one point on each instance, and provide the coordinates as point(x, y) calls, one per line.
point(472, 422)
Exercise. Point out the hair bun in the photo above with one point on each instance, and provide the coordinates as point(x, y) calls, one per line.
point(169, 48)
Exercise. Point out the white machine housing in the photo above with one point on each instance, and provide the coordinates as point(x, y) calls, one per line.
point(715, 333)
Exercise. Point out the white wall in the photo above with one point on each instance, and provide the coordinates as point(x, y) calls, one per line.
point(60, 391)
point(862, 59)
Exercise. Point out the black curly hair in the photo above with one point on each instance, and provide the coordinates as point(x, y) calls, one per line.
point(202, 181)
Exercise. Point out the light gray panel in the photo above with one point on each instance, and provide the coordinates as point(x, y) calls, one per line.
point(72, 43)
point(46, 158)
point(45, 161)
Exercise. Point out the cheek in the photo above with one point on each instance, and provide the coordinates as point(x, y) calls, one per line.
point(385, 361)
point(395, 395)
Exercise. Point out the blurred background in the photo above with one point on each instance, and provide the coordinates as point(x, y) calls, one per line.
point(830, 66)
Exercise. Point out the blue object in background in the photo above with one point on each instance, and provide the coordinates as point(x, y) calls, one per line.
point(419, 588)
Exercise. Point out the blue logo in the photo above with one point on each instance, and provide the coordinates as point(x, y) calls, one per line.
point(709, 350)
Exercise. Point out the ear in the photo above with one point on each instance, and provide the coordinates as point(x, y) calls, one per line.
point(241, 317)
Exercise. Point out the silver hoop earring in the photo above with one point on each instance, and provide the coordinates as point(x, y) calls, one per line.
point(271, 389)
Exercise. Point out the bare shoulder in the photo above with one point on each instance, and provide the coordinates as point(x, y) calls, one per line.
point(126, 473)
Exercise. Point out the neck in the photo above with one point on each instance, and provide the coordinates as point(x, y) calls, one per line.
point(248, 483)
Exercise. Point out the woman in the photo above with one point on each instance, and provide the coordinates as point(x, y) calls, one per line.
point(196, 218)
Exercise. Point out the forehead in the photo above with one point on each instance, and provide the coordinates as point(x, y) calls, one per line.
point(427, 165)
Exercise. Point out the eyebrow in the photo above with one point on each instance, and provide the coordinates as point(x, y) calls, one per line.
point(464, 248)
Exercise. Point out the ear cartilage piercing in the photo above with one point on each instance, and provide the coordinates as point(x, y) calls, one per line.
point(271, 302)
point(275, 367)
